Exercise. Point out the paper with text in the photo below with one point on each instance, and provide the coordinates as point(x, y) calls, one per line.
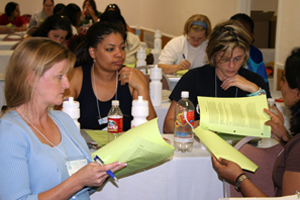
point(239, 116)
point(140, 147)
point(220, 148)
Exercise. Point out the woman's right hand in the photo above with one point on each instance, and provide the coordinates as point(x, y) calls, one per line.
point(93, 175)
point(185, 64)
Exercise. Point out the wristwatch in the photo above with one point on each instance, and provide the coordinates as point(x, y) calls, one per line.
point(240, 179)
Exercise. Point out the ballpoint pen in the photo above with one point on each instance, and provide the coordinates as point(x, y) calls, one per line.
point(183, 56)
point(100, 162)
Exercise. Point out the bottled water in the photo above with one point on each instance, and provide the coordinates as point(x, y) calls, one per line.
point(184, 114)
point(139, 111)
point(272, 106)
point(115, 121)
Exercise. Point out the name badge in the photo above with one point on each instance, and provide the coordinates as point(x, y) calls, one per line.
point(75, 165)
point(102, 120)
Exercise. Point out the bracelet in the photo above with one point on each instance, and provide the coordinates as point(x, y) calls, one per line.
point(257, 93)
point(238, 181)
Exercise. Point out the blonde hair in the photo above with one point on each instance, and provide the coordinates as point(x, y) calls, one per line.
point(225, 37)
point(33, 55)
point(188, 26)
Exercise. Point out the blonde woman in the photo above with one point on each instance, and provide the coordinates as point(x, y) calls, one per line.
point(227, 52)
point(39, 146)
point(187, 51)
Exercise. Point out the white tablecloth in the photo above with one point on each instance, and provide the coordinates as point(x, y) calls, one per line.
point(186, 176)
point(6, 45)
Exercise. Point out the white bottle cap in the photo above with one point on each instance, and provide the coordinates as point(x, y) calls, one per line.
point(71, 104)
point(184, 94)
point(140, 107)
point(156, 73)
point(141, 54)
point(271, 101)
point(157, 34)
point(115, 102)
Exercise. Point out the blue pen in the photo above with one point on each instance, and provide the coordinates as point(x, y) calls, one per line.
point(183, 56)
point(100, 162)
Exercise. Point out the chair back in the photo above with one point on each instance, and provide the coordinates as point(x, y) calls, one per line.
point(265, 158)
point(13, 37)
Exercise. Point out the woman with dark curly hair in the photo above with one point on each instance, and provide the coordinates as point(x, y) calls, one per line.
point(286, 173)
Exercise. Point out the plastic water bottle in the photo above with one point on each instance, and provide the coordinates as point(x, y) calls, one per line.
point(115, 121)
point(272, 106)
point(138, 30)
point(183, 134)
point(141, 59)
point(139, 111)
point(156, 86)
point(71, 107)
point(157, 41)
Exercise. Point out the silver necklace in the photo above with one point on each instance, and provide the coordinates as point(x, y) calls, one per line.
point(216, 93)
point(100, 120)
point(47, 138)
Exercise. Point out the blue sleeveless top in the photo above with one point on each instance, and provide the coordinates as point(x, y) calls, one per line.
point(88, 105)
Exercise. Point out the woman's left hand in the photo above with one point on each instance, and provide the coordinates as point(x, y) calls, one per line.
point(133, 78)
point(226, 169)
point(239, 82)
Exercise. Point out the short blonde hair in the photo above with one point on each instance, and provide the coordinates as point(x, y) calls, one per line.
point(188, 26)
point(33, 55)
point(225, 37)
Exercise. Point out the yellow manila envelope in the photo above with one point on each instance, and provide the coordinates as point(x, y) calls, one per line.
point(140, 147)
point(238, 116)
point(220, 148)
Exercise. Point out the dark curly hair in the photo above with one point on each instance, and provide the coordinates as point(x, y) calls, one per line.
point(292, 75)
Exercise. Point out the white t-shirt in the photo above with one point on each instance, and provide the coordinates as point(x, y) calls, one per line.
point(172, 52)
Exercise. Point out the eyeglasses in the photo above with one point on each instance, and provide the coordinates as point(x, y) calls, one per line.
point(235, 60)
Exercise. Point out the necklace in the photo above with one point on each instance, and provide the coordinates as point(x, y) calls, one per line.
point(216, 93)
point(47, 138)
point(102, 120)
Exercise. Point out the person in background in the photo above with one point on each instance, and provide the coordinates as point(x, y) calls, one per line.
point(286, 173)
point(255, 62)
point(89, 12)
point(59, 8)
point(56, 27)
point(73, 12)
point(39, 145)
point(187, 51)
point(115, 7)
point(39, 17)
point(12, 17)
point(132, 42)
point(227, 51)
point(104, 78)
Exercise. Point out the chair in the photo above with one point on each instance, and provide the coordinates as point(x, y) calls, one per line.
point(13, 37)
point(265, 158)
point(165, 81)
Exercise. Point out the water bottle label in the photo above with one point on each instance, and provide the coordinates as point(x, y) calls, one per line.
point(180, 120)
point(184, 140)
point(115, 125)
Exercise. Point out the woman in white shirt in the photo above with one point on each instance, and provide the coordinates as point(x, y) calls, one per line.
point(187, 51)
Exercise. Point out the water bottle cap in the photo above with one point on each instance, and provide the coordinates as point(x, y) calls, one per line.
point(141, 54)
point(140, 107)
point(140, 102)
point(71, 104)
point(156, 73)
point(157, 34)
point(185, 94)
point(271, 101)
point(115, 102)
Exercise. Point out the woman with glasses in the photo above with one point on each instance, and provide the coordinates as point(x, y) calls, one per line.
point(227, 51)
point(187, 51)
point(39, 17)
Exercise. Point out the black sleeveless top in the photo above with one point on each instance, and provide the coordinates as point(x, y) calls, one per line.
point(88, 105)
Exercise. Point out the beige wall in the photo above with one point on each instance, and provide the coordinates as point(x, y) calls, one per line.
point(167, 15)
point(288, 30)
point(265, 5)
